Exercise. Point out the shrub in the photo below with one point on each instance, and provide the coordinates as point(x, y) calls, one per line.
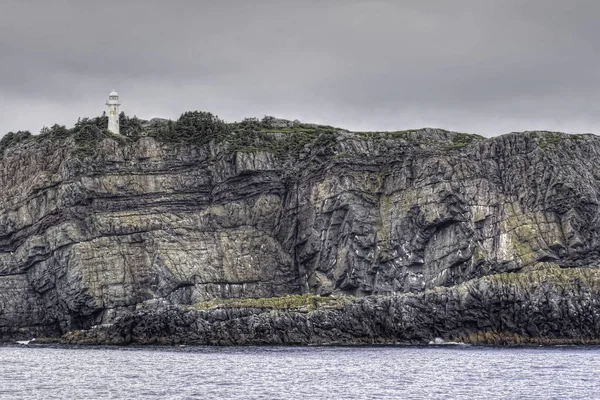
point(250, 136)
point(130, 127)
point(55, 132)
point(88, 133)
point(199, 127)
point(461, 140)
point(13, 138)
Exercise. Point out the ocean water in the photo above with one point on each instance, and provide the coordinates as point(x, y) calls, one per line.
point(299, 373)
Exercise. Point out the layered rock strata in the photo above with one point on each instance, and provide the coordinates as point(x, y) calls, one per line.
point(405, 217)
point(549, 306)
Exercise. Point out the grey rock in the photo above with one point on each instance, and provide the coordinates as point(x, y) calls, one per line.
point(549, 306)
point(396, 215)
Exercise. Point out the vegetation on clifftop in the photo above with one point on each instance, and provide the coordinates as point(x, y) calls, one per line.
point(12, 139)
point(280, 137)
point(192, 127)
point(461, 140)
point(283, 138)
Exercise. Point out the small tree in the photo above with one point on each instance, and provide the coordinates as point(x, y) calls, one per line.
point(200, 127)
point(13, 138)
point(55, 131)
point(131, 127)
point(89, 133)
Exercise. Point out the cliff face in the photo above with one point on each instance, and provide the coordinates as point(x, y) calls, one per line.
point(86, 240)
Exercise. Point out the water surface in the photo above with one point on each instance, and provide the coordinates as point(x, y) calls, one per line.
point(299, 373)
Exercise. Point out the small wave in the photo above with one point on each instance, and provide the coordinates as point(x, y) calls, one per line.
point(442, 342)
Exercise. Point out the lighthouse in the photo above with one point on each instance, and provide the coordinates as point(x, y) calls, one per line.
point(113, 112)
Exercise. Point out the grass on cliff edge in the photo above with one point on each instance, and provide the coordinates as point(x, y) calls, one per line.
point(307, 302)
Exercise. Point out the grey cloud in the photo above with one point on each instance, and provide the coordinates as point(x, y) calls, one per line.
point(481, 66)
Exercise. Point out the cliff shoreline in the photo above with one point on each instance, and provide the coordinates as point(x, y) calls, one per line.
point(423, 234)
point(548, 306)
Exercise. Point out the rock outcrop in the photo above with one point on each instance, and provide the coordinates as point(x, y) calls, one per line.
point(548, 306)
point(402, 223)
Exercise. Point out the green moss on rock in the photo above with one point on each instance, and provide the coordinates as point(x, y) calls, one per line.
point(550, 273)
point(308, 302)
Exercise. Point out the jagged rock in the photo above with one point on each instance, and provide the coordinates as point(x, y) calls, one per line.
point(550, 306)
point(84, 241)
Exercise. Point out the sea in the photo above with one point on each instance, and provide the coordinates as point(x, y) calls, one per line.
point(386, 372)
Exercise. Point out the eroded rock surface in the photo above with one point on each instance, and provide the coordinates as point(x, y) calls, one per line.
point(84, 241)
point(550, 306)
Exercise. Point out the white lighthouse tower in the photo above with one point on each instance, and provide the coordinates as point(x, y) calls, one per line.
point(113, 112)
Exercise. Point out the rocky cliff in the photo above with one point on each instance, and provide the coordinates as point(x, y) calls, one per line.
point(409, 235)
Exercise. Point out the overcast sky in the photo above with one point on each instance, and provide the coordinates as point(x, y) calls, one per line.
point(479, 66)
